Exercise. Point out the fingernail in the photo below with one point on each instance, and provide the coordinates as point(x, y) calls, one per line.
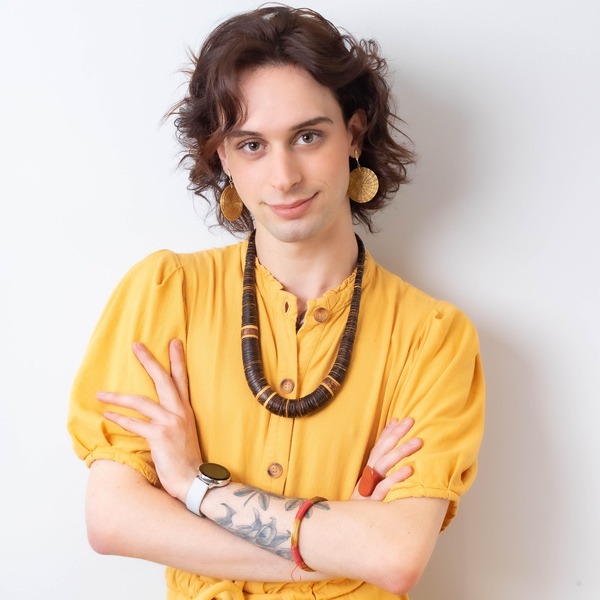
point(101, 395)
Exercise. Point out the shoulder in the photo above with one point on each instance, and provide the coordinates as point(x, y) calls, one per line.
point(413, 307)
point(224, 260)
point(162, 265)
point(154, 269)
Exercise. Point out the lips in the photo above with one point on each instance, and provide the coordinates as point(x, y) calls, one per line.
point(293, 209)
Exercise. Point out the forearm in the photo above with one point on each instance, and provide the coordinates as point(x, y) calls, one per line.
point(127, 516)
point(387, 544)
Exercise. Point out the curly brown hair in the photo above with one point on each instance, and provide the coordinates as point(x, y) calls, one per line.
point(280, 35)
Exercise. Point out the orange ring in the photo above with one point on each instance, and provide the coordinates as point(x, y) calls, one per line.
point(368, 481)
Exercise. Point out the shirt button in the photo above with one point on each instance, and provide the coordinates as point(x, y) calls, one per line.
point(287, 386)
point(321, 315)
point(275, 470)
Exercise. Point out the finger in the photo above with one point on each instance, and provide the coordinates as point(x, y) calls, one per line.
point(389, 438)
point(382, 489)
point(385, 485)
point(141, 428)
point(179, 373)
point(165, 388)
point(144, 406)
point(392, 434)
point(392, 458)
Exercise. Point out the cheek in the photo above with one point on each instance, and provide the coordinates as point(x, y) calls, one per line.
point(248, 182)
point(337, 171)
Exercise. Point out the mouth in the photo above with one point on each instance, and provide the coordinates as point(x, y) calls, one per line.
point(293, 209)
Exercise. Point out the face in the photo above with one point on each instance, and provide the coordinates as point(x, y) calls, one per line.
point(289, 157)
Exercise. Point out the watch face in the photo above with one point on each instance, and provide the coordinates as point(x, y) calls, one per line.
point(214, 471)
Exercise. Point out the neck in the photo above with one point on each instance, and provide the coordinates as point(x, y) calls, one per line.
point(309, 268)
point(251, 354)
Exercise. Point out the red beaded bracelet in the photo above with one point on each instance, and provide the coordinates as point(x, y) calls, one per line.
point(304, 508)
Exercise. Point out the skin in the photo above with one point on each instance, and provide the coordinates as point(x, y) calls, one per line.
point(289, 162)
point(387, 544)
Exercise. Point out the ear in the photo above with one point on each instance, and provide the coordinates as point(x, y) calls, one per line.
point(357, 124)
point(222, 152)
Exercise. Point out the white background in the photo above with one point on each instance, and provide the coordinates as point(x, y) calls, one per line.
point(501, 99)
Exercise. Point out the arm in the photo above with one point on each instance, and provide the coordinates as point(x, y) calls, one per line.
point(387, 544)
point(365, 540)
point(121, 504)
point(128, 516)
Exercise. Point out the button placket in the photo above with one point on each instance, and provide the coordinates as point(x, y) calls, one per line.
point(280, 365)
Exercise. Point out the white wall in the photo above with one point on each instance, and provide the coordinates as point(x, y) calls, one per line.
point(501, 98)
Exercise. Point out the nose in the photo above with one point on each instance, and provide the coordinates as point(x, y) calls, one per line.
point(285, 170)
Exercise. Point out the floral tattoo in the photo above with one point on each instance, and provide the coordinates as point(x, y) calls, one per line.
point(263, 530)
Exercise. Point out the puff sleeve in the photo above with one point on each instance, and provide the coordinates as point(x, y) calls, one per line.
point(147, 306)
point(442, 388)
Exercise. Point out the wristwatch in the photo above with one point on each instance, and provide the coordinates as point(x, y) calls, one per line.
point(210, 475)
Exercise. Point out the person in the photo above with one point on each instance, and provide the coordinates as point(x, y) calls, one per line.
point(232, 455)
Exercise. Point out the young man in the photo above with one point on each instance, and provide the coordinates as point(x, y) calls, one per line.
point(336, 360)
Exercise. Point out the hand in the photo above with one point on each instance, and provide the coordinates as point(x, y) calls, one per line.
point(169, 427)
point(387, 453)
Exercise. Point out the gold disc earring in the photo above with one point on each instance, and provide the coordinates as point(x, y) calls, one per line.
point(230, 202)
point(363, 184)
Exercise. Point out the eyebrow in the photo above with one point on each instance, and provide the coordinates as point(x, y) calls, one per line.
point(235, 133)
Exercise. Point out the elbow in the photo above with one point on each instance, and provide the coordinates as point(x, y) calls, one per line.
point(97, 541)
point(100, 533)
point(400, 581)
point(399, 574)
point(108, 507)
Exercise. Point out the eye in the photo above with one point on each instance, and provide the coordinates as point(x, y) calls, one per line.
point(251, 146)
point(308, 137)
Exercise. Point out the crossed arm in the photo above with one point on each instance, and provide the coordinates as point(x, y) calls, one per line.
point(387, 544)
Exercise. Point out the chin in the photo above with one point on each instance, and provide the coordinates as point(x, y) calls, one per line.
point(291, 233)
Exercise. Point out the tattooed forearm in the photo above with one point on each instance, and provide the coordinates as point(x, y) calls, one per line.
point(261, 518)
point(264, 498)
point(259, 532)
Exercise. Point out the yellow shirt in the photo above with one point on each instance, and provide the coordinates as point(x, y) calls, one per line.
point(413, 356)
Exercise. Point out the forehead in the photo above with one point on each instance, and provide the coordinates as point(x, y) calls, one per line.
point(283, 95)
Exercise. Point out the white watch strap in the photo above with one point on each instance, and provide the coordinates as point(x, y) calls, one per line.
point(195, 496)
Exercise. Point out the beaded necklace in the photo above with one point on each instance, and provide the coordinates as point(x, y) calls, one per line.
point(251, 355)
